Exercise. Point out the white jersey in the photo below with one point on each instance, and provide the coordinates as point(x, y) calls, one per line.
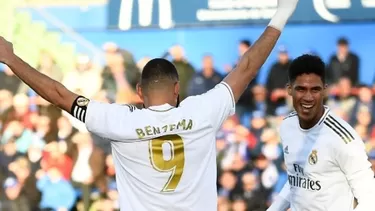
point(327, 166)
point(165, 157)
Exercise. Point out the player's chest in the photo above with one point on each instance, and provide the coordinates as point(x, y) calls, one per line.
point(310, 158)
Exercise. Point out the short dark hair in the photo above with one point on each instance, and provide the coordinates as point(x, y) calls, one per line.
point(158, 71)
point(342, 41)
point(245, 42)
point(307, 64)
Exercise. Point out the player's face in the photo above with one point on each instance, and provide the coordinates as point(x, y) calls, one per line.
point(308, 93)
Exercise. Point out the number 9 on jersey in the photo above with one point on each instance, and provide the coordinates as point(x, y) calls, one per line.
point(175, 165)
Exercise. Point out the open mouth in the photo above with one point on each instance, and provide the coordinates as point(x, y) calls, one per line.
point(307, 107)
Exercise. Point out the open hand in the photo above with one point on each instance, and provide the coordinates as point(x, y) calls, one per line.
point(6, 50)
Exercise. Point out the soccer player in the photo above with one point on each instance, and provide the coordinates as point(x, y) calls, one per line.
point(326, 160)
point(164, 154)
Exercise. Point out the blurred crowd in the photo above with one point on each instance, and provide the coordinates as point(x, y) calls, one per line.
point(48, 160)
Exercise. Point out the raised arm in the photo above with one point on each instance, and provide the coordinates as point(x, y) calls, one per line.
point(254, 58)
point(49, 89)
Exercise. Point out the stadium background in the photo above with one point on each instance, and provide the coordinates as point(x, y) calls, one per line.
point(81, 36)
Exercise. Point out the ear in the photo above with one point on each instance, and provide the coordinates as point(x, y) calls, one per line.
point(289, 89)
point(139, 91)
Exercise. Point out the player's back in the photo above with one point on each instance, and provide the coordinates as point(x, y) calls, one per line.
point(165, 157)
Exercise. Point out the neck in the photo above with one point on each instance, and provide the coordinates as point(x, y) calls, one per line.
point(313, 122)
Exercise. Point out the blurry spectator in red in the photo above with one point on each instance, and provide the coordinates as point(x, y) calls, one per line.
point(9, 81)
point(15, 199)
point(54, 157)
point(27, 181)
point(343, 64)
point(184, 68)
point(20, 111)
point(206, 79)
point(88, 168)
point(277, 80)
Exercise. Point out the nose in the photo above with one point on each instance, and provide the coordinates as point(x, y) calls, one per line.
point(308, 97)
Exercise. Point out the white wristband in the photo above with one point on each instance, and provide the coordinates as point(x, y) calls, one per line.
point(279, 20)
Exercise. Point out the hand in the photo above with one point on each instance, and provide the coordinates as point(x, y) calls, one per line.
point(6, 50)
point(287, 7)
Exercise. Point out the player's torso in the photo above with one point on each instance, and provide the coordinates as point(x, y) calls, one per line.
point(175, 164)
point(316, 182)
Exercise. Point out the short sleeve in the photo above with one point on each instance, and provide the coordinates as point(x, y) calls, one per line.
point(218, 103)
point(110, 121)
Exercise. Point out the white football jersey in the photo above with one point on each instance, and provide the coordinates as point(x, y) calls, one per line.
point(165, 157)
point(327, 166)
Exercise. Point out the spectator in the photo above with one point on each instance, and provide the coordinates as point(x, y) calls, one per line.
point(184, 68)
point(343, 64)
point(88, 167)
point(85, 79)
point(276, 82)
point(57, 193)
point(206, 79)
point(16, 200)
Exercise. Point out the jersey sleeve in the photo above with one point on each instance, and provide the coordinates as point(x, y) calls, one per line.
point(282, 201)
point(218, 103)
point(353, 161)
point(109, 121)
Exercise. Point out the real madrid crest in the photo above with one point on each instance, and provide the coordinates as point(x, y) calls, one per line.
point(313, 157)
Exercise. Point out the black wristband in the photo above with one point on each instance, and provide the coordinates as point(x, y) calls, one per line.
point(79, 108)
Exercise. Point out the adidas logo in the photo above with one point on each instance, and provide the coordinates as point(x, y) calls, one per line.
point(286, 151)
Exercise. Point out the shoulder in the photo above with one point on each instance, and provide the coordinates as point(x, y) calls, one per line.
point(340, 131)
point(289, 122)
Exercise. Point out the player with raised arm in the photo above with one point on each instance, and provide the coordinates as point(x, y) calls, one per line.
point(164, 154)
point(326, 161)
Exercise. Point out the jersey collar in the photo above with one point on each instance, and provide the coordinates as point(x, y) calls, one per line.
point(161, 108)
point(326, 111)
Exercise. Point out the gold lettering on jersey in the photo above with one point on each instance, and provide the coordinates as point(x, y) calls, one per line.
point(148, 130)
point(175, 165)
point(140, 133)
point(152, 130)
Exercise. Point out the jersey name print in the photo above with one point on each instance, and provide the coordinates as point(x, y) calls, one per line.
point(164, 156)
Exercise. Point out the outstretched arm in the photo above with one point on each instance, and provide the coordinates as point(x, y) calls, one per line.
point(255, 57)
point(49, 89)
